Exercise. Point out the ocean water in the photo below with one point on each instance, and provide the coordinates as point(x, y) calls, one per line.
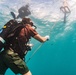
point(56, 56)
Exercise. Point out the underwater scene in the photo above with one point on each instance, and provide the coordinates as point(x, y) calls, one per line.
point(57, 56)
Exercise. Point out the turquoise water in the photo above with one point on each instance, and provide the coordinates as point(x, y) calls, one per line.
point(56, 56)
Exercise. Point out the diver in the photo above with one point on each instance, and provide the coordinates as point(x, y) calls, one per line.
point(17, 47)
point(65, 9)
point(23, 11)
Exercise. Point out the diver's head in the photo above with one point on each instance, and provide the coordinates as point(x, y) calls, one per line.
point(28, 21)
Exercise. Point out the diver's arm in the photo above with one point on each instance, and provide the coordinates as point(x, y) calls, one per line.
point(40, 38)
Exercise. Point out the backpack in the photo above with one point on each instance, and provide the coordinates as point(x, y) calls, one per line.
point(10, 29)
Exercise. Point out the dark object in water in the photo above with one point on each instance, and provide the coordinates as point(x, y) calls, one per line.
point(13, 15)
point(23, 11)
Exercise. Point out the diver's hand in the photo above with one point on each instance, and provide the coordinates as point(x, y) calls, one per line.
point(47, 37)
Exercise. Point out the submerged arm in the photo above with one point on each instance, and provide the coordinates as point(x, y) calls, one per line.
point(40, 38)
